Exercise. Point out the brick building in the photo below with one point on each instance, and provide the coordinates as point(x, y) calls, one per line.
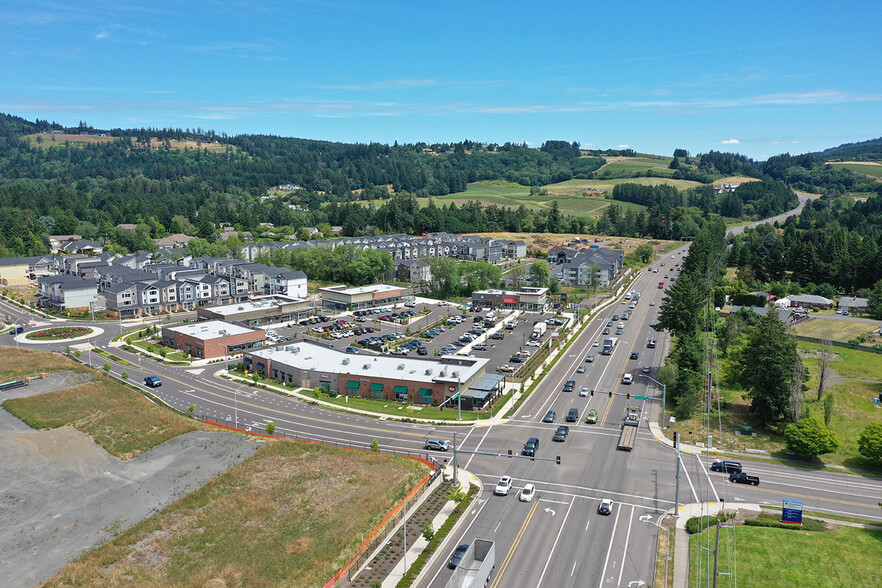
point(212, 339)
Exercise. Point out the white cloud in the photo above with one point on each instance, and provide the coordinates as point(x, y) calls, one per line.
point(100, 36)
point(794, 142)
point(730, 142)
point(621, 146)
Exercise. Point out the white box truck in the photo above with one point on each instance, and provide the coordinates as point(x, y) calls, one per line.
point(475, 568)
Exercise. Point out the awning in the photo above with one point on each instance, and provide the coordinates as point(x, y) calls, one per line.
point(510, 300)
point(352, 384)
point(401, 389)
point(376, 386)
point(425, 391)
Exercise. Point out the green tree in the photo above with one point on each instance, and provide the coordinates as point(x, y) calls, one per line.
point(106, 367)
point(874, 301)
point(375, 446)
point(125, 375)
point(540, 272)
point(681, 306)
point(303, 235)
point(809, 438)
point(829, 401)
point(767, 368)
point(870, 441)
point(644, 253)
point(270, 428)
point(191, 409)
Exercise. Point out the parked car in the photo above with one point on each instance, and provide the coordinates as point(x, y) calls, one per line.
point(497, 336)
point(726, 466)
point(503, 486)
point(458, 555)
point(605, 507)
point(527, 493)
point(437, 444)
point(533, 344)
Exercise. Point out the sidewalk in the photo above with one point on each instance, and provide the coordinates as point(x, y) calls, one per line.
point(681, 541)
point(465, 480)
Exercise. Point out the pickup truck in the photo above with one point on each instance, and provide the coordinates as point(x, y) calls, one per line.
point(742, 478)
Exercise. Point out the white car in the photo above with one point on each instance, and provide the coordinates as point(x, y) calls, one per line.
point(527, 494)
point(627, 379)
point(585, 391)
point(533, 344)
point(605, 507)
point(503, 486)
point(652, 303)
point(596, 344)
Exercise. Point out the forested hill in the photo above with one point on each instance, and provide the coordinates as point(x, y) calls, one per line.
point(871, 149)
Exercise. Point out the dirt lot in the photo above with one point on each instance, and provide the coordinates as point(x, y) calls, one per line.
point(62, 494)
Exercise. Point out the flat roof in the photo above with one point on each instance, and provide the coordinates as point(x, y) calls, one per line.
point(354, 291)
point(210, 329)
point(252, 305)
point(309, 356)
point(528, 291)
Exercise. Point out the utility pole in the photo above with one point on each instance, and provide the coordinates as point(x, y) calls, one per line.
point(716, 553)
point(405, 534)
point(455, 481)
point(677, 491)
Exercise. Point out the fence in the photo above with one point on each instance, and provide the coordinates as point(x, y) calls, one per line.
point(855, 346)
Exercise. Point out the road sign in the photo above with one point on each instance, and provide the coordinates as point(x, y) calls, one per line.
point(642, 397)
point(791, 512)
point(451, 388)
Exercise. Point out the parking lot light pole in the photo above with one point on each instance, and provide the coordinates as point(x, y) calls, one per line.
point(664, 423)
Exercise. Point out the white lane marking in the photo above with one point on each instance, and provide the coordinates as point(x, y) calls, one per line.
point(709, 481)
point(625, 551)
point(586, 526)
point(556, 539)
point(609, 551)
point(469, 462)
point(688, 479)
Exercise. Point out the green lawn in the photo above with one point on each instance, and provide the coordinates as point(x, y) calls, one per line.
point(832, 329)
point(773, 558)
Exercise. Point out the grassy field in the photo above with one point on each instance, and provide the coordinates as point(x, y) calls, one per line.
point(49, 140)
point(832, 329)
point(845, 556)
point(737, 180)
point(858, 379)
point(118, 418)
point(292, 515)
point(868, 168)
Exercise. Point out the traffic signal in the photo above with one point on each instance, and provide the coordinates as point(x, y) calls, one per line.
point(610, 393)
point(509, 452)
point(592, 391)
point(558, 460)
point(627, 395)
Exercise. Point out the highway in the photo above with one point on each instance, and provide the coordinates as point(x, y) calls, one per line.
point(559, 539)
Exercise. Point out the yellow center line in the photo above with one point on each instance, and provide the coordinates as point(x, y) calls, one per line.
point(514, 546)
point(188, 385)
point(791, 494)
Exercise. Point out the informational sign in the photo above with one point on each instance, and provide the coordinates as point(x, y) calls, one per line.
point(451, 388)
point(791, 512)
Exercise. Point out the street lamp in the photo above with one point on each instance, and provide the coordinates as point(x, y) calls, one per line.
point(236, 406)
point(664, 398)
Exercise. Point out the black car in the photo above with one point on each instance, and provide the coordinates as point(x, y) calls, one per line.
point(606, 331)
point(573, 415)
point(549, 417)
point(457, 556)
point(531, 446)
point(634, 355)
point(726, 466)
point(742, 478)
point(561, 434)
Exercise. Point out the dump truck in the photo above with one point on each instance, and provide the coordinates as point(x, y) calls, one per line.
point(609, 345)
point(475, 568)
point(539, 329)
point(629, 428)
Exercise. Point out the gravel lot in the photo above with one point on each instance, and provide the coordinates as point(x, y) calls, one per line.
point(61, 494)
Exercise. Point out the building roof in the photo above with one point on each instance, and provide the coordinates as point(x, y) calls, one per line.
point(526, 291)
point(309, 356)
point(206, 330)
point(853, 302)
point(258, 304)
point(371, 289)
point(4, 261)
point(810, 299)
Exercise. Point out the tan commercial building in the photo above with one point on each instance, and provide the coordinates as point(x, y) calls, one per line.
point(259, 312)
point(343, 298)
point(526, 299)
point(212, 339)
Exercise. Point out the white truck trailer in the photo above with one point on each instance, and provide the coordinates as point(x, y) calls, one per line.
point(475, 568)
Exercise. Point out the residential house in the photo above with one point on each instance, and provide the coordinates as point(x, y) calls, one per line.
point(66, 293)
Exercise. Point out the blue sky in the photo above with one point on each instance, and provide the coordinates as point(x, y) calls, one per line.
point(759, 78)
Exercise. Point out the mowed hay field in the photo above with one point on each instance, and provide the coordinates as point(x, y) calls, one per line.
point(867, 168)
point(833, 329)
point(294, 514)
point(49, 140)
point(117, 417)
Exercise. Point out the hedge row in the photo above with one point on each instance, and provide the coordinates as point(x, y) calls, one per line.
point(698, 524)
point(768, 521)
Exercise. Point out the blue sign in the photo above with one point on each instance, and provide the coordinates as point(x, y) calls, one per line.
point(791, 512)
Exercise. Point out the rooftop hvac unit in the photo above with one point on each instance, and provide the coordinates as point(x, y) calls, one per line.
point(366, 366)
point(345, 361)
point(241, 308)
point(295, 350)
point(429, 372)
point(442, 374)
point(454, 374)
point(401, 366)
